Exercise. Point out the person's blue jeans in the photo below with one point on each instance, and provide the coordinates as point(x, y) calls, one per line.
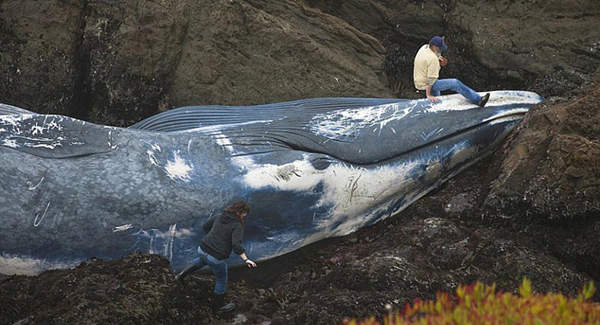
point(218, 267)
point(456, 86)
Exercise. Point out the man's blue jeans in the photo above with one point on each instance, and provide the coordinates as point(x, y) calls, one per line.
point(456, 86)
point(218, 267)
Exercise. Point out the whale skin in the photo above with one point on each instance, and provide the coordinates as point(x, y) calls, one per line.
point(310, 169)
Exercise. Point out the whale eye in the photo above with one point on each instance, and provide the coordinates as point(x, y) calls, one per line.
point(320, 163)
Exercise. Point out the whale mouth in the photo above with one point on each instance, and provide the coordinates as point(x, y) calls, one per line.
point(508, 117)
point(511, 117)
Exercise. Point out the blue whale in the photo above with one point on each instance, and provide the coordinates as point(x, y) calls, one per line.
point(310, 169)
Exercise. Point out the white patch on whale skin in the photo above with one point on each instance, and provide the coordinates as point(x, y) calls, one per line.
point(152, 152)
point(152, 157)
point(155, 147)
point(504, 116)
point(220, 127)
point(177, 168)
point(12, 264)
point(222, 140)
point(350, 190)
point(168, 253)
point(37, 129)
point(11, 143)
point(41, 145)
point(122, 228)
point(30, 185)
point(347, 122)
point(38, 220)
point(356, 195)
point(457, 102)
point(14, 120)
point(54, 125)
point(162, 242)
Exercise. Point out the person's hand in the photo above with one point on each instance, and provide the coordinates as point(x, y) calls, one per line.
point(433, 98)
point(443, 61)
point(250, 263)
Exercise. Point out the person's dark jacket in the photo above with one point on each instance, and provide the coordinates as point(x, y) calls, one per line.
point(224, 233)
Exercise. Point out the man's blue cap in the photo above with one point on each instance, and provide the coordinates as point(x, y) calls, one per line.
point(439, 42)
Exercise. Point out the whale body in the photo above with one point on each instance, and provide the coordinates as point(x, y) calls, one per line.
point(309, 169)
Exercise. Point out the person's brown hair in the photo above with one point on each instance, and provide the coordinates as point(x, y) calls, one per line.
point(238, 208)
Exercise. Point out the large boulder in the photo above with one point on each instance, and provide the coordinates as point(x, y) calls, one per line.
point(240, 52)
point(120, 62)
point(548, 46)
point(552, 169)
point(37, 54)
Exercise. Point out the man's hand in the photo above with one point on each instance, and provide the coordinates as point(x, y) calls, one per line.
point(250, 263)
point(443, 61)
point(433, 98)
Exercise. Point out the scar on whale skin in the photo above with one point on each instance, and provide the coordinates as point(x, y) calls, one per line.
point(37, 222)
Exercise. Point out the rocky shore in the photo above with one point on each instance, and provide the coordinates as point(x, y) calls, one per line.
point(532, 209)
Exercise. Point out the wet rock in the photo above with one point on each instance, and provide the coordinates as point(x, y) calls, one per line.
point(460, 203)
point(138, 288)
point(552, 170)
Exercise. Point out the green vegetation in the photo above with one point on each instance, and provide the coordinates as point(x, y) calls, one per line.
point(481, 304)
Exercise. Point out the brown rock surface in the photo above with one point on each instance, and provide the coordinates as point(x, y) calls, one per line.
point(38, 41)
point(552, 169)
point(118, 63)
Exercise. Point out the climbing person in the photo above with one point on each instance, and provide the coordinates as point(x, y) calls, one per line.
point(224, 233)
point(427, 65)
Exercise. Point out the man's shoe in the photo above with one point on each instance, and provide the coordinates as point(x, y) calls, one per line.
point(226, 308)
point(189, 269)
point(219, 305)
point(484, 100)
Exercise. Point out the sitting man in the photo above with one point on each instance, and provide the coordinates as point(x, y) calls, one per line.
point(428, 63)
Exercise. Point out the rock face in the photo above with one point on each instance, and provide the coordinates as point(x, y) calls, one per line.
point(550, 175)
point(548, 46)
point(117, 63)
point(553, 166)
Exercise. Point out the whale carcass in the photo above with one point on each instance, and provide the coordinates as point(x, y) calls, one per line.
point(310, 169)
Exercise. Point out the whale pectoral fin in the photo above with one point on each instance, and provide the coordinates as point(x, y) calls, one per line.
point(10, 110)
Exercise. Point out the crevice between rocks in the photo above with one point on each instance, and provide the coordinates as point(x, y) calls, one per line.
point(82, 98)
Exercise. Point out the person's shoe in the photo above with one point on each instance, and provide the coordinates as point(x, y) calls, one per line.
point(229, 307)
point(219, 305)
point(484, 100)
point(189, 269)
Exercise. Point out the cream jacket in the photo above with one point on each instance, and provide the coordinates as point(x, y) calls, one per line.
point(426, 67)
